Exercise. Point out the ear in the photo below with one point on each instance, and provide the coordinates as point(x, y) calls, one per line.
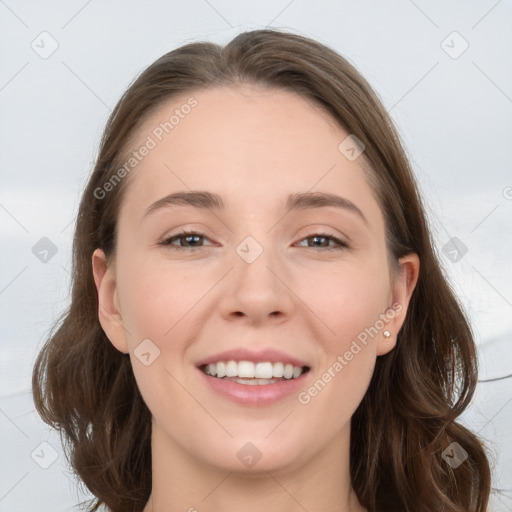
point(404, 283)
point(108, 308)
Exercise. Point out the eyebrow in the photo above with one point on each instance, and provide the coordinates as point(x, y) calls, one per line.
point(297, 201)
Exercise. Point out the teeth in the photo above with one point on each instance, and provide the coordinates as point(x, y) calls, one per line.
point(278, 370)
point(232, 369)
point(258, 371)
point(296, 372)
point(254, 382)
point(264, 370)
point(221, 369)
point(243, 369)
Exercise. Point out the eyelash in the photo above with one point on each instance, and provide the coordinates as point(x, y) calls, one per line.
point(168, 241)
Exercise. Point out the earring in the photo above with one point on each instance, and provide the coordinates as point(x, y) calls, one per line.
point(386, 335)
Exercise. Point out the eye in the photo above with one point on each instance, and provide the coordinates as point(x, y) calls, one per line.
point(191, 241)
point(190, 237)
point(339, 244)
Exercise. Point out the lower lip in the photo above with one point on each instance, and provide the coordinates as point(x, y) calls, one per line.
point(257, 395)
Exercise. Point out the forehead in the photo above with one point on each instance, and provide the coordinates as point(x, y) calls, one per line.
point(245, 141)
point(247, 114)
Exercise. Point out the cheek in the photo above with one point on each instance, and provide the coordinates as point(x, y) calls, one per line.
point(154, 299)
point(337, 392)
point(158, 305)
point(350, 303)
point(347, 301)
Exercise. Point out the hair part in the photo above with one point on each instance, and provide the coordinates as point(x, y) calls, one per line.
point(86, 389)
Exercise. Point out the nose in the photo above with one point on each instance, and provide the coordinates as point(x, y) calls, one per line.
point(258, 291)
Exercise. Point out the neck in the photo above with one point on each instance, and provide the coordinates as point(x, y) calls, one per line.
point(181, 482)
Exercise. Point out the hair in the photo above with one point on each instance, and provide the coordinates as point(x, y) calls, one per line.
point(86, 388)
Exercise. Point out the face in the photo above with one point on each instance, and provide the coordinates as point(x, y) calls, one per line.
point(311, 281)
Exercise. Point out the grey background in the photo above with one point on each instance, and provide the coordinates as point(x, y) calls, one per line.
point(453, 113)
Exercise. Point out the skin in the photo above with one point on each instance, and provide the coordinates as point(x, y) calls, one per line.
point(253, 146)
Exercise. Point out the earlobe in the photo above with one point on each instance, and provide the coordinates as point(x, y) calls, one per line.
point(403, 287)
point(108, 304)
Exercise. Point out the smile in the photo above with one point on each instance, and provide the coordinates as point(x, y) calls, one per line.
point(254, 384)
point(249, 373)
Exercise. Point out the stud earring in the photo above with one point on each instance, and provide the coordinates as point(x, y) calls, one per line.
point(386, 335)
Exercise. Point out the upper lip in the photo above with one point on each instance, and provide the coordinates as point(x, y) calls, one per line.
point(261, 356)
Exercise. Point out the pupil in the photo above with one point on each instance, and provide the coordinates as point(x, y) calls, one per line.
point(319, 237)
point(191, 236)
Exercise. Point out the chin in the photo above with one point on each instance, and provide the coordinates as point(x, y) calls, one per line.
point(251, 455)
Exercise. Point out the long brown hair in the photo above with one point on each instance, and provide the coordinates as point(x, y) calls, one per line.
point(86, 388)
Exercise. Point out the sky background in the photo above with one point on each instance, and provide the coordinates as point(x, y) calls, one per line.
point(442, 69)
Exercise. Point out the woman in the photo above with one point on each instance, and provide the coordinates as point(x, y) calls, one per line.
point(258, 318)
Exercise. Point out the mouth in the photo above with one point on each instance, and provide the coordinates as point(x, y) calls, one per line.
point(254, 378)
point(253, 374)
point(254, 384)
